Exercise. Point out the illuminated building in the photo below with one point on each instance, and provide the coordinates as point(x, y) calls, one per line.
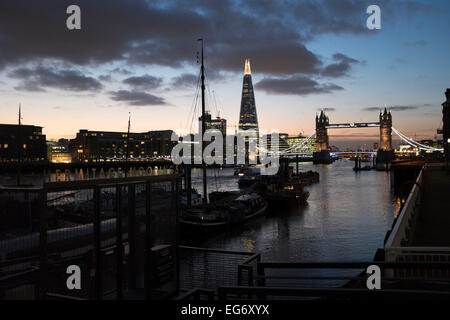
point(248, 119)
point(24, 143)
point(307, 147)
point(217, 124)
point(113, 146)
point(268, 142)
point(58, 153)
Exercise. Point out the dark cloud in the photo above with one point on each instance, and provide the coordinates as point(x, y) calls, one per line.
point(145, 82)
point(393, 108)
point(186, 80)
point(122, 71)
point(341, 67)
point(295, 85)
point(134, 31)
point(106, 78)
point(39, 78)
point(137, 98)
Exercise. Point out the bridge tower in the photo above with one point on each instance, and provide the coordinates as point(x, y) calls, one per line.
point(322, 154)
point(385, 154)
point(386, 130)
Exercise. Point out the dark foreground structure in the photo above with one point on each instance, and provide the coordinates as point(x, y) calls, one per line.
point(123, 234)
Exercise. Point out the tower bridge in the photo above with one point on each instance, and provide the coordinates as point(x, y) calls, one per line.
point(384, 155)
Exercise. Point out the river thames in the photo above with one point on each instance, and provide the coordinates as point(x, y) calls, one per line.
point(346, 219)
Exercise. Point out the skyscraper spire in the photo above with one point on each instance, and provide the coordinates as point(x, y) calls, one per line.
point(248, 119)
point(247, 69)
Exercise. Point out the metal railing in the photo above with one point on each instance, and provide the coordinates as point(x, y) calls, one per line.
point(208, 268)
point(106, 226)
point(403, 229)
point(398, 246)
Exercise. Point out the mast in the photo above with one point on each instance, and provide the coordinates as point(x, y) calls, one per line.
point(128, 138)
point(205, 189)
point(19, 145)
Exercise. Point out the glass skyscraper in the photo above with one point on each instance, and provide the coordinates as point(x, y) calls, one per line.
point(248, 119)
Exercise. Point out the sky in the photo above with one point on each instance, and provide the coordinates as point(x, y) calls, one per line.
point(140, 58)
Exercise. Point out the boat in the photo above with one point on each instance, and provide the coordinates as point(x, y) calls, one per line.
point(228, 213)
point(222, 208)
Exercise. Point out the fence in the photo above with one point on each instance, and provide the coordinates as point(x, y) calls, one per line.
point(208, 269)
point(122, 233)
point(399, 244)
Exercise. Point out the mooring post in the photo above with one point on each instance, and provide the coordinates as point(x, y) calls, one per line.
point(119, 244)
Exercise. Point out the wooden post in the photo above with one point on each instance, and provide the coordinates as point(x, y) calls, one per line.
point(119, 244)
point(97, 245)
point(147, 264)
point(43, 261)
point(132, 235)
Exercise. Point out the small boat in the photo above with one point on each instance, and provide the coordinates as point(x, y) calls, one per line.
point(238, 210)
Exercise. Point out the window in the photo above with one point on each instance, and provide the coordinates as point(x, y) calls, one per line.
point(5, 146)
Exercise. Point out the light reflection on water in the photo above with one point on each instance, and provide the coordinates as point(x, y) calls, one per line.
point(346, 219)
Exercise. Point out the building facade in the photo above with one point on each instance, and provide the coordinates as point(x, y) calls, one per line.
point(307, 146)
point(248, 119)
point(24, 143)
point(446, 125)
point(92, 146)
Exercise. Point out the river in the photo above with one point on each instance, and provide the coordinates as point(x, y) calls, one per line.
point(346, 219)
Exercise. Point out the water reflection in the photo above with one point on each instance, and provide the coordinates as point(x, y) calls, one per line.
point(346, 219)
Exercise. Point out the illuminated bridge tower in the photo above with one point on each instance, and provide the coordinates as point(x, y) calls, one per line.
point(248, 120)
point(322, 154)
point(386, 130)
point(385, 154)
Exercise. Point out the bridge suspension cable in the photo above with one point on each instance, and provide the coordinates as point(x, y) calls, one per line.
point(288, 150)
point(414, 143)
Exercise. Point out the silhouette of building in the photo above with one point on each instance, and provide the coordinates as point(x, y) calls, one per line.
point(446, 124)
point(102, 145)
point(24, 143)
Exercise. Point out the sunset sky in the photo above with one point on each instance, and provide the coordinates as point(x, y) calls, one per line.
point(140, 57)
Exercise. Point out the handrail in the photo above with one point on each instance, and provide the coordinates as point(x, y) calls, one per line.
point(217, 250)
point(332, 293)
point(398, 231)
point(352, 265)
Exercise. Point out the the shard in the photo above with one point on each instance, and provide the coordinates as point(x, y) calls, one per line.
point(248, 119)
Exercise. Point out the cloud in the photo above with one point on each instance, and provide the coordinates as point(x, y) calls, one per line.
point(137, 98)
point(418, 43)
point(145, 82)
point(39, 78)
point(146, 32)
point(341, 67)
point(106, 78)
point(399, 108)
point(186, 80)
point(326, 109)
point(295, 85)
